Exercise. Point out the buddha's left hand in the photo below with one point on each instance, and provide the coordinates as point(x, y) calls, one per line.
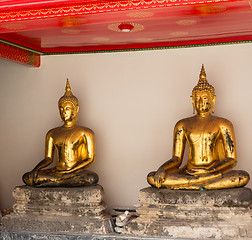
point(68, 171)
point(197, 171)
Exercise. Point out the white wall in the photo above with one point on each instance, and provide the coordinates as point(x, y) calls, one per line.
point(130, 100)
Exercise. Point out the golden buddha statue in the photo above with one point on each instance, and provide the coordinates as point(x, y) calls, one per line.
point(75, 151)
point(212, 150)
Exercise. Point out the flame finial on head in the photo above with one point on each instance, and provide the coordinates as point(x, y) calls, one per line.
point(203, 84)
point(68, 88)
point(202, 73)
point(68, 96)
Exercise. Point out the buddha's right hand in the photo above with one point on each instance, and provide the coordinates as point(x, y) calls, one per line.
point(34, 175)
point(42, 164)
point(159, 177)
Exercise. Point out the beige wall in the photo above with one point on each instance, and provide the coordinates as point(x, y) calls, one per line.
point(131, 101)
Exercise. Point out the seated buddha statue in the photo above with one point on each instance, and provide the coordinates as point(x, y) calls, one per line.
point(75, 151)
point(212, 149)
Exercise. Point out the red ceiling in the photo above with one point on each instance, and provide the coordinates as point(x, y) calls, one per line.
point(62, 26)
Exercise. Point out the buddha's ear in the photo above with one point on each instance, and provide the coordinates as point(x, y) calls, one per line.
point(193, 103)
point(213, 103)
point(76, 112)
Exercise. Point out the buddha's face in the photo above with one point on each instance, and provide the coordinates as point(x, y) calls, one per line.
point(202, 101)
point(68, 112)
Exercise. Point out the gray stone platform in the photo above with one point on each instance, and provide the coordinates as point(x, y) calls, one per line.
point(56, 236)
point(216, 214)
point(59, 210)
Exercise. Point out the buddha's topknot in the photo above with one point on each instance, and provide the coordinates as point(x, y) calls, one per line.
point(203, 84)
point(68, 96)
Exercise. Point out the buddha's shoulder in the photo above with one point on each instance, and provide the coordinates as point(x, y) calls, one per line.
point(187, 122)
point(84, 130)
point(52, 131)
point(77, 128)
point(183, 122)
point(222, 121)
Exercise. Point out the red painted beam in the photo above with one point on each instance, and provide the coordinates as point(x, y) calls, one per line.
point(34, 9)
point(19, 55)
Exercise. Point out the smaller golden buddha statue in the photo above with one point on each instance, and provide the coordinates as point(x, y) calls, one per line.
point(212, 149)
point(75, 151)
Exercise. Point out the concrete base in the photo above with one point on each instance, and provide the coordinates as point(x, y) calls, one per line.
point(59, 210)
point(12, 235)
point(218, 214)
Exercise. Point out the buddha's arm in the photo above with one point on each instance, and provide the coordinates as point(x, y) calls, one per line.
point(42, 164)
point(49, 150)
point(179, 141)
point(89, 159)
point(228, 137)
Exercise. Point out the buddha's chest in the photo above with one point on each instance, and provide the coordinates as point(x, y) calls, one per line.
point(68, 141)
point(202, 134)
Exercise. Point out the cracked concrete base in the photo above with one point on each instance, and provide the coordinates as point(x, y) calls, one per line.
point(216, 214)
point(61, 210)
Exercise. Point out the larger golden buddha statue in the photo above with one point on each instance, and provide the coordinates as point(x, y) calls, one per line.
point(75, 151)
point(212, 150)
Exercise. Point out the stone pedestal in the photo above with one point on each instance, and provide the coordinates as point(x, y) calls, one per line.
point(71, 210)
point(217, 214)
